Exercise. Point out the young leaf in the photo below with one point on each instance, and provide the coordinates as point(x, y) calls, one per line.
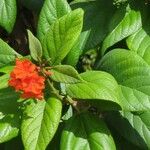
point(34, 46)
point(51, 11)
point(62, 36)
point(4, 81)
point(8, 11)
point(86, 132)
point(6, 69)
point(135, 127)
point(9, 127)
point(130, 23)
point(99, 88)
point(40, 123)
point(132, 74)
point(65, 74)
point(7, 54)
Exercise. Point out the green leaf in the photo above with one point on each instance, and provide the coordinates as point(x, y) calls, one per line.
point(65, 74)
point(7, 54)
point(140, 43)
point(99, 88)
point(121, 142)
point(40, 123)
point(129, 24)
point(68, 114)
point(9, 127)
point(8, 11)
point(132, 74)
point(6, 69)
point(8, 101)
point(135, 127)
point(34, 46)
point(62, 36)
point(55, 143)
point(86, 132)
point(73, 55)
point(51, 11)
point(96, 20)
point(4, 81)
point(97, 14)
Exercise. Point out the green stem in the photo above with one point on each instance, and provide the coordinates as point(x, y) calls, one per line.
point(68, 99)
point(48, 67)
point(72, 103)
point(54, 91)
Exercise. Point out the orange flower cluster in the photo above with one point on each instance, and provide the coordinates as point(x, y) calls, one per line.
point(25, 78)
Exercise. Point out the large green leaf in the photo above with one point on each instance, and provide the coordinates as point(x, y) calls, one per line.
point(7, 54)
point(95, 27)
point(86, 132)
point(40, 123)
point(55, 143)
point(99, 88)
point(96, 19)
point(9, 127)
point(133, 76)
point(129, 24)
point(74, 54)
point(51, 11)
point(8, 101)
point(34, 46)
point(65, 74)
point(8, 11)
point(140, 43)
point(120, 141)
point(62, 36)
point(135, 127)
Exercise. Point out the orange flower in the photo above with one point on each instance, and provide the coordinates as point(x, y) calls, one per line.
point(26, 79)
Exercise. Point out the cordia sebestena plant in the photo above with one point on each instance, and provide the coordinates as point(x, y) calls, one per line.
point(85, 85)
